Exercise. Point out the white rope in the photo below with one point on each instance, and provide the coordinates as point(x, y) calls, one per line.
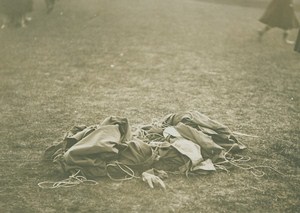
point(239, 163)
point(73, 180)
point(129, 173)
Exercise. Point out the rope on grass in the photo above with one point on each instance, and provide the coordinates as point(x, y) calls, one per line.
point(127, 170)
point(240, 163)
point(73, 180)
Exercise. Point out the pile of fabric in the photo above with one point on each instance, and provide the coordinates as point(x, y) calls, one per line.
point(187, 143)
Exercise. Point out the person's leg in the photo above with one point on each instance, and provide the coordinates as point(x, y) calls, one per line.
point(49, 5)
point(5, 21)
point(297, 43)
point(285, 37)
point(263, 31)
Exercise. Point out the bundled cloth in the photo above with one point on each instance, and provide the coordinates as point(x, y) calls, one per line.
point(188, 142)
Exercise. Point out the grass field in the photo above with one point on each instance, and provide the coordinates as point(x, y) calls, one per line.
point(143, 59)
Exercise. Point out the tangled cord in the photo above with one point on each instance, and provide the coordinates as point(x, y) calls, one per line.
point(127, 170)
point(240, 163)
point(73, 180)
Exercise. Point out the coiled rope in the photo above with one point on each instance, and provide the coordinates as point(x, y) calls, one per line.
point(72, 181)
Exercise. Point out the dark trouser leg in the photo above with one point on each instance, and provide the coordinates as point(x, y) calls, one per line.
point(49, 5)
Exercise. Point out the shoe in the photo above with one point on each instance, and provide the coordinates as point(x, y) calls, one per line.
point(289, 41)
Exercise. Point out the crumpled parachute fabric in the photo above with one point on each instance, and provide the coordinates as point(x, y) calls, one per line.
point(184, 142)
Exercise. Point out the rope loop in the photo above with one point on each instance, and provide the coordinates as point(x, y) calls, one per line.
point(72, 181)
point(239, 162)
point(129, 173)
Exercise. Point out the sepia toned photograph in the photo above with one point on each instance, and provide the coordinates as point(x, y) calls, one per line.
point(159, 106)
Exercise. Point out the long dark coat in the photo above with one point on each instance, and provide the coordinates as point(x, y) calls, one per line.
point(281, 14)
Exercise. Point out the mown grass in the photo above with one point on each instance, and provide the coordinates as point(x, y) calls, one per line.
point(142, 60)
